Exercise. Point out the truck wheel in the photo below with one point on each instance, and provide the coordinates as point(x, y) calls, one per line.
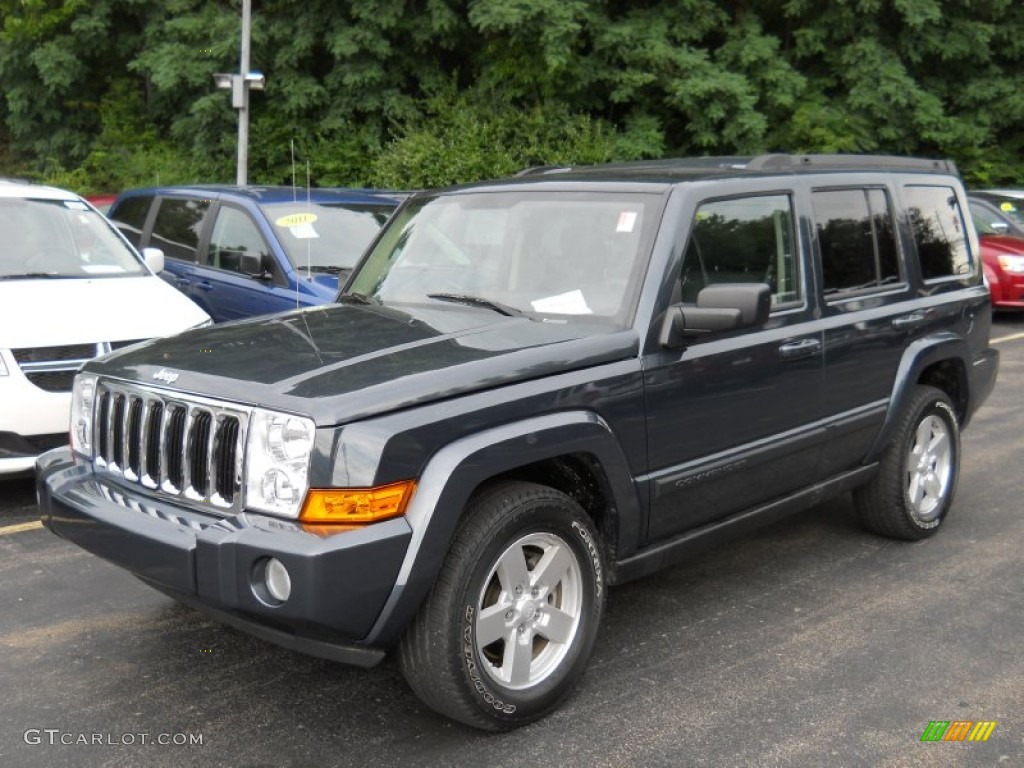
point(510, 623)
point(912, 493)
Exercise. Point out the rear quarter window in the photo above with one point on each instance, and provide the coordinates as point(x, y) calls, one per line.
point(940, 231)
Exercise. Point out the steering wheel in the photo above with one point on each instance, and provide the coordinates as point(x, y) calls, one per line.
point(444, 281)
point(48, 258)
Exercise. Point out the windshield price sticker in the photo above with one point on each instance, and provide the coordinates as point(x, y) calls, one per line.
point(627, 221)
point(293, 220)
point(300, 225)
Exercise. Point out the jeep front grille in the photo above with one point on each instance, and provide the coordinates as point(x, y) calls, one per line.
point(172, 444)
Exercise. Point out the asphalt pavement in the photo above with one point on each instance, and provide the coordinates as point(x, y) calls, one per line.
point(808, 643)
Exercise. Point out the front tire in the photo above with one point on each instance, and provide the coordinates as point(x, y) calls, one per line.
point(513, 617)
point(913, 491)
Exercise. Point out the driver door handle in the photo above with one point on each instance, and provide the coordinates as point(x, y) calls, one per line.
point(794, 350)
point(907, 322)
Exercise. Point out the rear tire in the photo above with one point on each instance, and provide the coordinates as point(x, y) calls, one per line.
point(513, 616)
point(913, 490)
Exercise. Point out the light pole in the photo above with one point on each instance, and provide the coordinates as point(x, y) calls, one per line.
point(240, 86)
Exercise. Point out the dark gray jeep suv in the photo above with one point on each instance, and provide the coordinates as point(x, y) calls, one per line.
point(531, 390)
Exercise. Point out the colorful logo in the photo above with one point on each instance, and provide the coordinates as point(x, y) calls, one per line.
point(958, 730)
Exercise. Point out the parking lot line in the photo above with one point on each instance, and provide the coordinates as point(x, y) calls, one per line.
point(1011, 337)
point(4, 530)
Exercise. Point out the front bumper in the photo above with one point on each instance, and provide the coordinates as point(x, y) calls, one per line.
point(1008, 291)
point(18, 453)
point(339, 583)
point(31, 419)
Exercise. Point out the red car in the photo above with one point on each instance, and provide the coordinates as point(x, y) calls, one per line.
point(1002, 254)
point(101, 202)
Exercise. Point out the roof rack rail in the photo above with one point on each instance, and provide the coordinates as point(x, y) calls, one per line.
point(538, 170)
point(783, 162)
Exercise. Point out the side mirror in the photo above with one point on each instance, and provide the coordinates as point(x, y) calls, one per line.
point(255, 265)
point(154, 259)
point(720, 307)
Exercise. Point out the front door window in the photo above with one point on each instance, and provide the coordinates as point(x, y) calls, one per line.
point(235, 234)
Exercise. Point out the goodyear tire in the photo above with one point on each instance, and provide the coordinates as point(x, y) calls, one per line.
point(511, 621)
point(913, 491)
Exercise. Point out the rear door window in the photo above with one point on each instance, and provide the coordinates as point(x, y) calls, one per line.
point(179, 226)
point(857, 240)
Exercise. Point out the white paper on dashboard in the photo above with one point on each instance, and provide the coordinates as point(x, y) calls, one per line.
point(304, 232)
point(569, 303)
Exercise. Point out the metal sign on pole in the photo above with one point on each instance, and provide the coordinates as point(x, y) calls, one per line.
point(240, 85)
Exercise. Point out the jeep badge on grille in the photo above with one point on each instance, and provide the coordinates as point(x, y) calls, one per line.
point(166, 376)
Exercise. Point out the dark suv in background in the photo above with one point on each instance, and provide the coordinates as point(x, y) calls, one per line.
point(244, 251)
point(532, 389)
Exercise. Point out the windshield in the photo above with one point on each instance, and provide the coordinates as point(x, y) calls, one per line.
point(988, 222)
point(60, 239)
point(326, 237)
point(562, 256)
point(1011, 208)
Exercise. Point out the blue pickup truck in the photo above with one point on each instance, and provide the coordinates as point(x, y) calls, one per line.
point(244, 251)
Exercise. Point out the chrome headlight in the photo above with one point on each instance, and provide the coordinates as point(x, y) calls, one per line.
point(277, 462)
point(83, 397)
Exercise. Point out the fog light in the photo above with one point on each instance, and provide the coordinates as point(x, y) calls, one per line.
point(277, 580)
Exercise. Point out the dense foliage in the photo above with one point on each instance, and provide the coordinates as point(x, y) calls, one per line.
point(103, 94)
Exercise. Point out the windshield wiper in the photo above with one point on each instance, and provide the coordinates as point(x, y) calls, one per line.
point(33, 275)
point(358, 298)
point(478, 301)
point(329, 269)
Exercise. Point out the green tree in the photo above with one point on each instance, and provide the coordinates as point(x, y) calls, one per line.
point(930, 77)
point(418, 92)
point(57, 61)
point(466, 137)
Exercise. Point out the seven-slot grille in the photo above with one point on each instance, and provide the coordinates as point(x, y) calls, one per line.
point(187, 447)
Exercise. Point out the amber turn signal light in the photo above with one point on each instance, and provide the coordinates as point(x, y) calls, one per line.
point(356, 506)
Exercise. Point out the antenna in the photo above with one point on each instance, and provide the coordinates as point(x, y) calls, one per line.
point(309, 241)
point(295, 199)
point(295, 194)
point(309, 209)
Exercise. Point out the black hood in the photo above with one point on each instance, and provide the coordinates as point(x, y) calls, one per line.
point(341, 362)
